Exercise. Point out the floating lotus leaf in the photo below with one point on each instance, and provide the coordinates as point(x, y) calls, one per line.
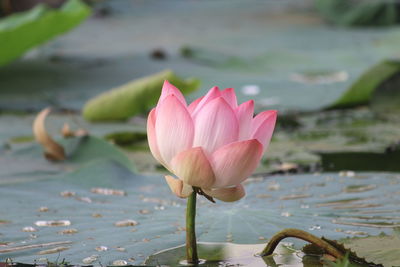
point(152, 219)
point(22, 31)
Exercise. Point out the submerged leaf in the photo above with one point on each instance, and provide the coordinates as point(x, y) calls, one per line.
point(134, 97)
point(22, 31)
point(85, 149)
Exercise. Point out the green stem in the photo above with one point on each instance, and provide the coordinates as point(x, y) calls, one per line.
point(290, 232)
point(191, 245)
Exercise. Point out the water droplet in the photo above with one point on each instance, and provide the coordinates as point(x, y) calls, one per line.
point(29, 229)
point(263, 196)
point(251, 89)
point(68, 231)
point(251, 180)
point(159, 207)
point(53, 223)
point(108, 191)
point(347, 173)
point(294, 196)
point(126, 223)
point(43, 209)
point(349, 232)
point(186, 263)
point(156, 200)
point(368, 224)
point(67, 194)
point(359, 188)
point(320, 78)
point(315, 227)
point(274, 186)
point(90, 259)
point(144, 211)
point(85, 199)
point(101, 248)
point(175, 204)
point(180, 229)
point(119, 263)
point(52, 250)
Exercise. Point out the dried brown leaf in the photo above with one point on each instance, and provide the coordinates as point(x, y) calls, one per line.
point(67, 132)
point(52, 150)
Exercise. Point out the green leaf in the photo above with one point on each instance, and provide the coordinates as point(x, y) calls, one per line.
point(359, 13)
point(362, 90)
point(382, 249)
point(386, 100)
point(134, 97)
point(25, 162)
point(351, 258)
point(126, 138)
point(23, 31)
point(81, 150)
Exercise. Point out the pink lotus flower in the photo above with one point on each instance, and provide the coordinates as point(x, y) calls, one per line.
point(213, 143)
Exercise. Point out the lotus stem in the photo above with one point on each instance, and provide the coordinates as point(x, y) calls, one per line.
point(191, 245)
point(290, 232)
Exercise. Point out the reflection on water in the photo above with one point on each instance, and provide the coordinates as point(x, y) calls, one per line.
point(229, 254)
